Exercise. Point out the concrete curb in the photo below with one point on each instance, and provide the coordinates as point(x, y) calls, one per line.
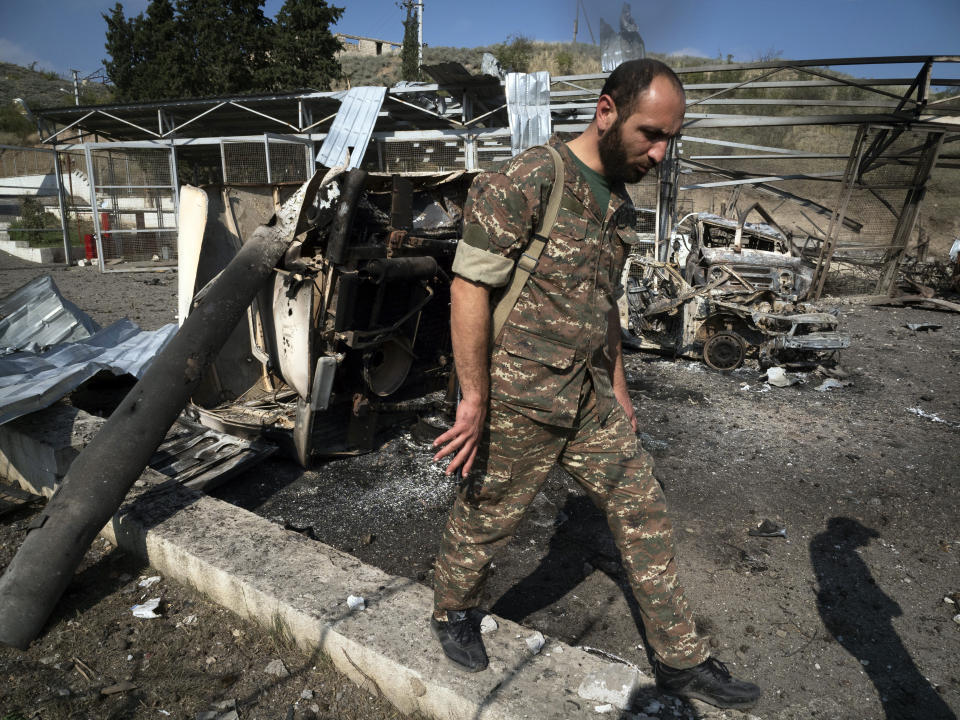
point(282, 580)
point(42, 256)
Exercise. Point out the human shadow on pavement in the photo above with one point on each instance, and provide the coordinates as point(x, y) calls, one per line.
point(581, 542)
point(859, 615)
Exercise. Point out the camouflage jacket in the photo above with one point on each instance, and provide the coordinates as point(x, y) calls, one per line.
point(557, 331)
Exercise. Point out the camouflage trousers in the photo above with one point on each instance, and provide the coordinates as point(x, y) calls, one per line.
point(514, 458)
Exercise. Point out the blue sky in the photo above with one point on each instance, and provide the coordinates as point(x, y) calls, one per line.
point(62, 34)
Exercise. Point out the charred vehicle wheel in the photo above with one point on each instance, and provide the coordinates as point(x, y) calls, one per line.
point(724, 351)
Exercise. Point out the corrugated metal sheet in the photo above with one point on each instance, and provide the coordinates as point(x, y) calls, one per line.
point(528, 107)
point(31, 381)
point(37, 316)
point(352, 127)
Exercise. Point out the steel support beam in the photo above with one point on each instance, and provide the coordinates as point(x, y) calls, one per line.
point(908, 216)
point(850, 176)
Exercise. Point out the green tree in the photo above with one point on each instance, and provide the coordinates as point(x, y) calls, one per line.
point(303, 51)
point(410, 51)
point(195, 48)
point(123, 66)
point(226, 45)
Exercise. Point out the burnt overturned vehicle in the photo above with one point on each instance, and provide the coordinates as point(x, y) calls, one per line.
point(352, 333)
point(738, 295)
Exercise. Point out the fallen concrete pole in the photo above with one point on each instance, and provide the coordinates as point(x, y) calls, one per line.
point(101, 476)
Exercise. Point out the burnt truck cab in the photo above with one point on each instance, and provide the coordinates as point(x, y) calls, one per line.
point(352, 335)
point(759, 256)
point(737, 295)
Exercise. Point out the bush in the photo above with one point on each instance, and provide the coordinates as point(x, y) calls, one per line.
point(11, 121)
point(516, 54)
point(36, 225)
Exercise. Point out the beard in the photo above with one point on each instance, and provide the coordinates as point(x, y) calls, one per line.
point(614, 157)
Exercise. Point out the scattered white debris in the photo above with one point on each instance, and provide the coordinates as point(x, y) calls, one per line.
point(920, 412)
point(956, 618)
point(778, 377)
point(816, 666)
point(535, 642)
point(188, 620)
point(488, 625)
point(615, 684)
point(744, 386)
point(949, 600)
point(147, 610)
point(276, 667)
point(922, 326)
point(147, 582)
point(355, 602)
point(831, 384)
point(653, 707)
point(306, 695)
point(603, 708)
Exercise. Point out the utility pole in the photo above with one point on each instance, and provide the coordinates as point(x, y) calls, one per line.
point(76, 87)
point(576, 21)
point(419, 5)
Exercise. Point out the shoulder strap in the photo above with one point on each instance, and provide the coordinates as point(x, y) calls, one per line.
point(527, 262)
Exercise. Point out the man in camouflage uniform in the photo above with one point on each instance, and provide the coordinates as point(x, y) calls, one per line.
point(551, 387)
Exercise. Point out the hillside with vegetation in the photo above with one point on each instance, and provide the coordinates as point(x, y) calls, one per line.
point(39, 89)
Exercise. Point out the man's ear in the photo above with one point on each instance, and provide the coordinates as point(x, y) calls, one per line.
point(606, 113)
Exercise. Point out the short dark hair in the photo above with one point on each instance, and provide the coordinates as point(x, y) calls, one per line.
point(630, 80)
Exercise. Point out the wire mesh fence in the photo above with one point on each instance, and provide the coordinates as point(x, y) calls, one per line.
point(422, 156)
point(135, 213)
point(271, 161)
point(29, 198)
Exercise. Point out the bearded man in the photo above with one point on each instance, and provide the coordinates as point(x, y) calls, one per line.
point(550, 386)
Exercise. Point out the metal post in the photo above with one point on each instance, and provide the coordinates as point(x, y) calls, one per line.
point(67, 245)
point(469, 141)
point(266, 152)
point(175, 183)
point(93, 205)
point(850, 176)
point(911, 209)
point(419, 35)
point(76, 87)
point(223, 161)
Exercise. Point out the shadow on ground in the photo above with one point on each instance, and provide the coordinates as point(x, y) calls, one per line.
point(859, 615)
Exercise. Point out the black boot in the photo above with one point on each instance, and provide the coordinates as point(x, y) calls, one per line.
point(460, 639)
point(711, 682)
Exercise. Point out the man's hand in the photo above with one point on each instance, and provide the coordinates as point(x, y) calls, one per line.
point(469, 331)
point(463, 438)
point(618, 376)
point(623, 397)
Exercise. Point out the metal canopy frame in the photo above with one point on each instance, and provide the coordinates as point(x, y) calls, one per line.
point(471, 112)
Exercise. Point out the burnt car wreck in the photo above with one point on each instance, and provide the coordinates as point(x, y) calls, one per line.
point(739, 295)
point(352, 332)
